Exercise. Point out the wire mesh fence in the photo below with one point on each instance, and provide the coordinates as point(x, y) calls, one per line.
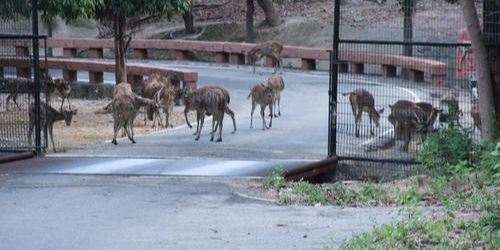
point(400, 80)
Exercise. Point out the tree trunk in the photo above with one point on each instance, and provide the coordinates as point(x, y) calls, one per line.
point(120, 62)
point(250, 32)
point(486, 97)
point(189, 20)
point(408, 7)
point(491, 27)
point(272, 19)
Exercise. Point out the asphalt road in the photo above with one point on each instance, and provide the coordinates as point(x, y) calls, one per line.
point(297, 137)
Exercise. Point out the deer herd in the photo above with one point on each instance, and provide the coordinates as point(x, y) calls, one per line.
point(158, 92)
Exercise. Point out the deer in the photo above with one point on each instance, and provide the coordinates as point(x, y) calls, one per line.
point(431, 114)
point(150, 87)
point(362, 101)
point(263, 95)
point(48, 116)
point(125, 105)
point(276, 82)
point(190, 105)
point(268, 48)
point(56, 86)
point(407, 118)
point(207, 100)
point(451, 109)
point(476, 117)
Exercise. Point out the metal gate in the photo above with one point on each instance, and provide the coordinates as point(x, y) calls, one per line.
point(21, 86)
point(384, 53)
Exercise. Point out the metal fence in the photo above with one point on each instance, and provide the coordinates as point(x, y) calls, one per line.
point(21, 88)
point(424, 56)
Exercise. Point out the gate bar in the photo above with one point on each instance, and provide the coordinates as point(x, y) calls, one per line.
point(332, 118)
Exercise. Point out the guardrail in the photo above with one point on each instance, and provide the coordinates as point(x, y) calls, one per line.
point(70, 67)
point(229, 52)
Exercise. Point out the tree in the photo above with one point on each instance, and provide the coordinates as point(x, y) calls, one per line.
point(483, 71)
point(116, 10)
point(272, 19)
point(189, 19)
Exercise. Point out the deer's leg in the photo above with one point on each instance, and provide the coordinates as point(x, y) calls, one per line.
point(271, 111)
point(220, 119)
point(51, 136)
point(202, 120)
point(357, 117)
point(264, 125)
point(214, 128)
point(370, 114)
point(185, 115)
point(116, 128)
point(231, 113)
point(129, 129)
point(251, 113)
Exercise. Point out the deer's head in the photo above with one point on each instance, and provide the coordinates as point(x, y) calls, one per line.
point(68, 114)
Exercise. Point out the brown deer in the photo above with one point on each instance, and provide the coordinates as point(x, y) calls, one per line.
point(451, 109)
point(166, 98)
point(190, 104)
point(150, 88)
point(276, 82)
point(362, 101)
point(431, 114)
point(476, 117)
point(207, 100)
point(407, 118)
point(263, 95)
point(125, 105)
point(48, 117)
point(59, 87)
point(14, 86)
point(269, 48)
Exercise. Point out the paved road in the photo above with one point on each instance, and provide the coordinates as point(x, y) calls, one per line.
point(298, 136)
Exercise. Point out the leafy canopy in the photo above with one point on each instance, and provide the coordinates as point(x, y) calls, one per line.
point(92, 9)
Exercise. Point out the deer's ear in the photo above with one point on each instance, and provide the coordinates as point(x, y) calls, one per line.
point(381, 111)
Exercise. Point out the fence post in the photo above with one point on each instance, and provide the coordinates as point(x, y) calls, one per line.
point(36, 68)
point(332, 117)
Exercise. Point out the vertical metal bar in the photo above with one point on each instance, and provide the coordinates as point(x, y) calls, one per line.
point(36, 65)
point(332, 119)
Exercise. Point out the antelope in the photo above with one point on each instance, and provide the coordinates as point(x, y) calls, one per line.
point(269, 48)
point(263, 95)
point(190, 104)
point(207, 100)
point(407, 117)
point(276, 82)
point(48, 116)
point(476, 117)
point(125, 105)
point(362, 101)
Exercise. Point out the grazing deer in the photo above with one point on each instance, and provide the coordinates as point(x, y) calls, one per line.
point(263, 95)
point(362, 101)
point(269, 48)
point(125, 105)
point(207, 100)
point(15, 86)
point(150, 87)
point(431, 114)
point(407, 118)
point(476, 117)
point(48, 117)
point(451, 109)
point(190, 104)
point(166, 98)
point(276, 82)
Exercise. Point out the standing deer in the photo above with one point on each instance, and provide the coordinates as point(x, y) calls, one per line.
point(476, 117)
point(48, 117)
point(408, 117)
point(362, 101)
point(263, 95)
point(276, 82)
point(125, 105)
point(190, 104)
point(59, 87)
point(269, 48)
point(207, 100)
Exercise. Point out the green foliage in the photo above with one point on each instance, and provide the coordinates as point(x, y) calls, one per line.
point(313, 193)
point(275, 180)
point(70, 10)
point(448, 151)
point(490, 164)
